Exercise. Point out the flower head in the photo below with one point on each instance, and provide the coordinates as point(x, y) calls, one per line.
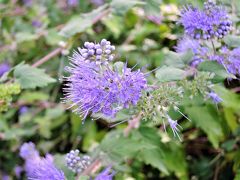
point(214, 97)
point(188, 44)
point(210, 22)
point(72, 3)
point(98, 53)
point(23, 110)
point(4, 67)
point(38, 168)
point(75, 163)
point(174, 126)
point(28, 151)
point(97, 2)
point(106, 174)
point(97, 87)
point(230, 59)
point(44, 169)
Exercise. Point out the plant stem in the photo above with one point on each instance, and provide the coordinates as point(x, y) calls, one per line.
point(213, 46)
point(134, 123)
point(52, 54)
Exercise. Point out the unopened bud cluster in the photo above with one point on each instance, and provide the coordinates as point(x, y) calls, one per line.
point(76, 163)
point(98, 52)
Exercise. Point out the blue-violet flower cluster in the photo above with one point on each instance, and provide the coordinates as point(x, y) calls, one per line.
point(212, 21)
point(95, 86)
point(39, 168)
point(106, 174)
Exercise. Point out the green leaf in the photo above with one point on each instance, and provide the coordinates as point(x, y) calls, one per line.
point(154, 158)
point(25, 36)
point(231, 118)
point(30, 77)
point(118, 147)
point(232, 41)
point(120, 7)
point(115, 25)
point(163, 156)
point(152, 7)
point(208, 119)
point(15, 133)
point(53, 37)
point(174, 60)
point(80, 23)
point(30, 96)
point(230, 99)
point(217, 69)
point(166, 74)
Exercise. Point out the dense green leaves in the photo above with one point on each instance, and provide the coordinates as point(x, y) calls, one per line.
point(30, 77)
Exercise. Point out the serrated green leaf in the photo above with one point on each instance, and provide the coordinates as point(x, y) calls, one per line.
point(30, 77)
point(163, 156)
point(119, 147)
point(174, 60)
point(208, 119)
point(217, 69)
point(166, 74)
point(232, 41)
point(154, 158)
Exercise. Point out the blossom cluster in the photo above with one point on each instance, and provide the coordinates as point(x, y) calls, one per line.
point(96, 86)
point(37, 167)
point(75, 163)
point(212, 21)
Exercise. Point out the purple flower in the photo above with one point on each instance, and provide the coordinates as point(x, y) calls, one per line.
point(187, 44)
point(72, 3)
point(97, 87)
point(28, 151)
point(5, 177)
point(97, 2)
point(230, 59)
point(27, 3)
point(39, 168)
point(155, 19)
point(36, 23)
point(18, 170)
point(4, 67)
point(210, 22)
point(214, 97)
point(234, 61)
point(106, 174)
point(44, 169)
point(23, 110)
point(174, 126)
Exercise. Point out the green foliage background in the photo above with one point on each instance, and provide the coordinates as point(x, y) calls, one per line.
point(210, 147)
